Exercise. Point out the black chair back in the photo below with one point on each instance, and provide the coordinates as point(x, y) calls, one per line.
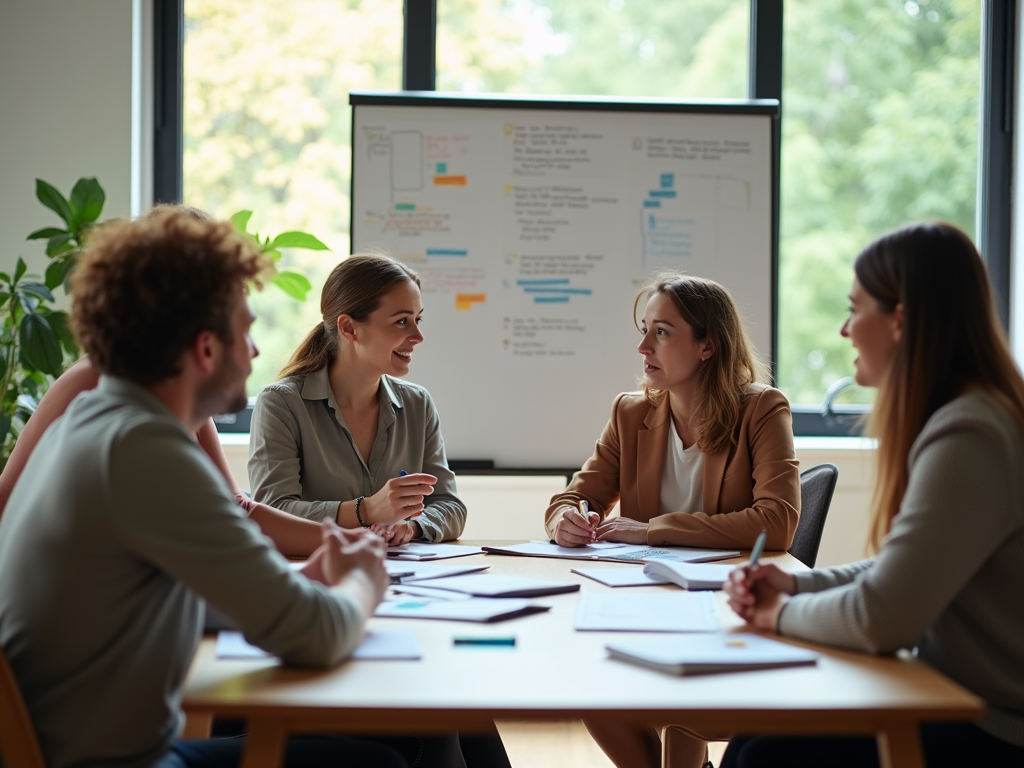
point(817, 485)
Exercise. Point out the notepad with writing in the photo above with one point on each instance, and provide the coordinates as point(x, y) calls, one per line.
point(700, 654)
point(691, 576)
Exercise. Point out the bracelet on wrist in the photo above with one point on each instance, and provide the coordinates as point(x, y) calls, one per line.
point(359, 517)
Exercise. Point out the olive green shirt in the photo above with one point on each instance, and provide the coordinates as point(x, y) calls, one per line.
point(303, 459)
point(115, 531)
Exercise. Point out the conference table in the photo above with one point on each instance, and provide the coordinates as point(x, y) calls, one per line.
point(555, 672)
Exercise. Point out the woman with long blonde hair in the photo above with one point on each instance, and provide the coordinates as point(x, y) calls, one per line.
point(948, 519)
point(701, 457)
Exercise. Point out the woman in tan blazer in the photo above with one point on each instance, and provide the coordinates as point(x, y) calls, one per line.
point(702, 457)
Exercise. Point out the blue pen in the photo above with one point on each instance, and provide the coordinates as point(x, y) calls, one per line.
point(402, 473)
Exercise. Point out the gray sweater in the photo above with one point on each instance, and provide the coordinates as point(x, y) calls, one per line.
point(949, 579)
point(116, 530)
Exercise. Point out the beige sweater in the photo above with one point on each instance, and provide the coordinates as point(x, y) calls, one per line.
point(949, 579)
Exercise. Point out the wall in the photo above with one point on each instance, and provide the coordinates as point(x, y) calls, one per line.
point(66, 87)
point(512, 507)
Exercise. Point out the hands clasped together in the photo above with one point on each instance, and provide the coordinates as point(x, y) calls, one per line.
point(355, 554)
point(391, 511)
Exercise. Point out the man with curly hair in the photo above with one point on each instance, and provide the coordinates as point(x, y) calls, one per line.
point(120, 526)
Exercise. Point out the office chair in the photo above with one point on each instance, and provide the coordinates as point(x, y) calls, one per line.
point(817, 485)
point(18, 744)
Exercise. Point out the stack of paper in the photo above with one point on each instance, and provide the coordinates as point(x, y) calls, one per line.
point(700, 654)
point(500, 585)
point(615, 552)
point(476, 609)
point(404, 572)
point(420, 550)
point(619, 577)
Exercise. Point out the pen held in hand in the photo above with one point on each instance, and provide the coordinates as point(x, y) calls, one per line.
point(584, 509)
point(755, 553)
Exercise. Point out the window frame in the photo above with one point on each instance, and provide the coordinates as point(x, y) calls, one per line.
point(995, 164)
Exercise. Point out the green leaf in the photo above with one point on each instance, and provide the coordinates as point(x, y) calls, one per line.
point(61, 324)
point(298, 240)
point(5, 427)
point(40, 347)
point(294, 284)
point(4, 296)
point(3, 362)
point(48, 195)
point(59, 244)
point(20, 269)
point(46, 233)
point(241, 220)
point(36, 289)
point(56, 272)
point(88, 198)
point(274, 256)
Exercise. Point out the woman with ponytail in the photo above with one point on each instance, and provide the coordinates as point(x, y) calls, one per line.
point(948, 521)
point(340, 435)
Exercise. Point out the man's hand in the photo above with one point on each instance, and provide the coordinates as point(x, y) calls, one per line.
point(571, 531)
point(401, 498)
point(344, 553)
point(758, 594)
point(622, 529)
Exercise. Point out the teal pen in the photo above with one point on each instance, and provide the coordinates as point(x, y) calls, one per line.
point(469, 640)
point(755, 553)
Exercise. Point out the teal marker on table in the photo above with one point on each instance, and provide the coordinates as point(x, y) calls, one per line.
point(508, 642)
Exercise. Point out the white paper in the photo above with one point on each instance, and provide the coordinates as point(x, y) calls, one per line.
point(396, 644)
point(647, 612)
point(501, 585)
point(476, 609)
point(419, 550)
point(598, 551)
point(422, 572)
point(615, 552)
point(619, 577)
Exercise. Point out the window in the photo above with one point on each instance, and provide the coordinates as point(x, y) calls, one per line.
point(266, 128)
point(880, 115)
point(695, 49)
point(880, 128)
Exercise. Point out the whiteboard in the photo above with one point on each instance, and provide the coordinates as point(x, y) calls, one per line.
point(531, 224)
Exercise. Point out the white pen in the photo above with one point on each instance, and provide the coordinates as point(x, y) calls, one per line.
point(584, 509)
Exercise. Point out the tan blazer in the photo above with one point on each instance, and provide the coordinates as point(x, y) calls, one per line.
point(751, 486)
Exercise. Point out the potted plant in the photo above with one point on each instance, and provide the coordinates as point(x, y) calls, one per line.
point(36, 343)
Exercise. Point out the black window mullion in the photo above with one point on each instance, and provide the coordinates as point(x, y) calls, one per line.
point(419, 45)
point(168, 99)
point(995, 182)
